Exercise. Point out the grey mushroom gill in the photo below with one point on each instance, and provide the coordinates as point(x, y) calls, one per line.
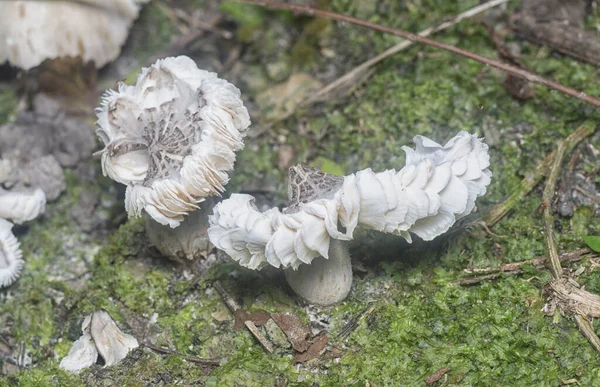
point(438, 185)
point(171, 139)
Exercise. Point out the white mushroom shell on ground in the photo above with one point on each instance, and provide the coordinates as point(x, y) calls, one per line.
point(11, 260)
point(100, 336)
point(32, 31)
point(19, 207)
point(438, 185)
point(171, 138)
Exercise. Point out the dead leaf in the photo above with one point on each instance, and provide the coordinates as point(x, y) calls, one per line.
point(259, 318)
point(296, 331)
point(437, 375)
point(314, 351)
point(286, 155)
point(281, 101)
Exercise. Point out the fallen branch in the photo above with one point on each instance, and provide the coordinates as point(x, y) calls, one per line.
point(234, 307)
point(191, 359)
point(529, 76)
point(535, 176)
point(355, 72)
point(563, 293)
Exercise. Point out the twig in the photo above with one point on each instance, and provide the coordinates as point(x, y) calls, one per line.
point(191, 359)
point(538, 262)
point(353, 323)
point(492, 273)
point(354, 73)
point(529, 76)
point(586, 327)
point(535, 176)
point(233, 306)
point(548, 198)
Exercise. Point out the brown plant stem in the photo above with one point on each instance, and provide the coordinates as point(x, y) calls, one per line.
point(536, 175)
point(529, 76)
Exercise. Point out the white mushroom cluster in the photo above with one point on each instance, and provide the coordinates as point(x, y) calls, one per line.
point(100, 336)
point(437, 186)
point(18, 207)
point(171, 138)
point(32, 31)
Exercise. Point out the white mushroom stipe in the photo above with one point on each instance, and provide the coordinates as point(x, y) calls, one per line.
point(438, 185)
point(11, 260)
point(324, 281)
point(32, 31)
point(171, 138)
point(20, 207)
point(100, 336)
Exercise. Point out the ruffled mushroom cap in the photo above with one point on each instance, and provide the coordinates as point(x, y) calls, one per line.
point(438, 185)
point(21, 207)
point(171, 138)
point(32, 31)
point(10, 255)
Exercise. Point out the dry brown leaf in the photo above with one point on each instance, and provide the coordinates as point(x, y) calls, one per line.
point(281, 101)
point(314, 351)
point(259, 318)
point(296, 331)
point(437, 375)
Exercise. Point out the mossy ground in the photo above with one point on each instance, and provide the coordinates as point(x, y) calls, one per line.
point(489, 334)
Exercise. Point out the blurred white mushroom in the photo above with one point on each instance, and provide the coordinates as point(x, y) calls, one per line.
point(438, 185)
point(83, 353)
point(100, 336)
point(95, 30)
point(10, 255)
point(171, 138)
point(113, 345)
point(22, 206)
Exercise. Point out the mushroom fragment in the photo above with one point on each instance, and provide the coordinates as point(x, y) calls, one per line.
point(11, 260)
point(32, 31)
point(171, 138)
point(100, 336)
point(22, 206)
point(437, 186)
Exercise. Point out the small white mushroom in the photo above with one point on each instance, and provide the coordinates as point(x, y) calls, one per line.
point(113, 345)
point(171, 138)
point(11, 260)
point(83, 353)
point(32, 31)
point(438, 185)
point(100, 336)
point(22, 206)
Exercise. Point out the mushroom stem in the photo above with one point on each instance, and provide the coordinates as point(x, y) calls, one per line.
point(186, 242)
point(325, 281)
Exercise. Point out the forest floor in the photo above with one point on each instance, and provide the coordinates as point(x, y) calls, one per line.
point(407, 320)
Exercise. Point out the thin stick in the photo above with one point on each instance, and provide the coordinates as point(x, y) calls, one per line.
point(586, 327)
point(535, 176)
point(538, 262)
point(548, 218)
point(191, 359)
point(352, 74)
point(233, 306)
point(529, 76)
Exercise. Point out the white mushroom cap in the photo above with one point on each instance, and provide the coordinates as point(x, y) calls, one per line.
point(171, 138)
point(11, 260)
point(438, 185)
point(32, 31)
point(100, 336)
point(113, 345)
point(20, 206)
point(83, 353)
